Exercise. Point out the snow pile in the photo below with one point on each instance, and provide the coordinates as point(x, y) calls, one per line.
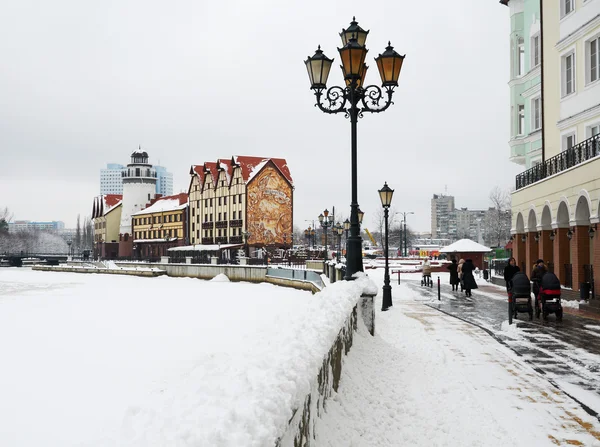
point(159, 361)
point(221, 277)
point(572, 304)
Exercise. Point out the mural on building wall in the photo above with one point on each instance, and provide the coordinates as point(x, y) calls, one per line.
point(269, 208)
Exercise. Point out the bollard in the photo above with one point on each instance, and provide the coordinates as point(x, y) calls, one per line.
point(398, 277)
point(439, 293)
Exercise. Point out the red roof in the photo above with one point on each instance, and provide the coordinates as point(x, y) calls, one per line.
point(248, 164)
point(211, 167)
point(111, 200)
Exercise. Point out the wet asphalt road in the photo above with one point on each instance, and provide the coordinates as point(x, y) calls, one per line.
point(567, 351)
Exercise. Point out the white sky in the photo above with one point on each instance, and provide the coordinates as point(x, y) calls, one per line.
point(83, 84)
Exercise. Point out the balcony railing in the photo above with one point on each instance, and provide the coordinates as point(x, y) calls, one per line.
point(579, 153)
point(207, 225)
point(207, 241)
point(221, 224)
point(235, 239)
point(221, 239)
point(235, 223)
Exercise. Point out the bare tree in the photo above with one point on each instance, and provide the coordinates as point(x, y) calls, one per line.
point(77, 241)
point(498, 217)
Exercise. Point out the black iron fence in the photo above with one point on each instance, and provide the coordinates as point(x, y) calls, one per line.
point(498, 265)
point(579, 153)
point(568, 282)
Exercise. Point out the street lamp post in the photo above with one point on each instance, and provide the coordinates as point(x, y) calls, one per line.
point(404, 214)
point(353, 101)
point(69, 242)
point(326, 221)
point(385, 194)
point(339, 229)
point(246, 235)
point(346, 229)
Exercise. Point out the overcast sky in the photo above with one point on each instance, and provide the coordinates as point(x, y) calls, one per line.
point(84, 83)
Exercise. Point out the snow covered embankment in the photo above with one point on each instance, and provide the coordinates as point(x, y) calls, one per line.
point(362, 317)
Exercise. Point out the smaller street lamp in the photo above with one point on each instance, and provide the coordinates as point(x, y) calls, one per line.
point(326, 221)
point(385, 194)
point(339, 229)
point(346, 229)
point(360, 216)
point(246, 236)
point(69, 242)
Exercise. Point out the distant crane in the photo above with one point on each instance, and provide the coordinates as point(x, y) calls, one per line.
point(371, 237)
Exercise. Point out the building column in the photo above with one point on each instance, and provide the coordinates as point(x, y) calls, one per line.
point(561, 253)
point(596, 263)
point(519, 249)
point(531, 250)
point(580, 247)
point(546, 247)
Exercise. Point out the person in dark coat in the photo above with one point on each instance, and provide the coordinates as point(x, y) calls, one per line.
point(453, 274)
point(509, 271)
point(538, 272)
point(468, 278)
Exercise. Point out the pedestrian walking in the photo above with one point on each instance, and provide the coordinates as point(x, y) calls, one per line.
point(468, 278)
point(454, 281)
point(426, 272)
point(509, 271)
point(537, 273)
point(460, 275)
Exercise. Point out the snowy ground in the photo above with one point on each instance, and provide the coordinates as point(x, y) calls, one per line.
point(97, 361)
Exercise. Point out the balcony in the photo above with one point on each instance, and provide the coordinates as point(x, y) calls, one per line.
point(586, 150)
point(221, 239)
point(235, 240)
point(237, 223)
point(207, 241)
point(221, 224)
point(207, 225)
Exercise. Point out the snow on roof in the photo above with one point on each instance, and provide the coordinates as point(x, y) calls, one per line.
point(105, 203)
point(167, 203)
point(214, 247)
point(225, 164)
point(465, 246)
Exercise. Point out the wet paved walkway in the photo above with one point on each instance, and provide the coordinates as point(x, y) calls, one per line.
point(567, 352)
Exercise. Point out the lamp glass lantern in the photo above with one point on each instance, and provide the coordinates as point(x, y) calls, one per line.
point(389, 64)
point(591, 232)
point(570, 234)
point(523, 238)
point(353, 59)
point(361, 78)
point(385, 194)
point(354, 31)
point(360, 216)
point(346, 225)
point(318, 68)
point(552, 235)
point(321, 217)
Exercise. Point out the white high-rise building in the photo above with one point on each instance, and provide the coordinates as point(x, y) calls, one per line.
point(111, 180)
point(139, 188)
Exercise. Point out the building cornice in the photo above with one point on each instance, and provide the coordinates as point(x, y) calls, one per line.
point(578, 33)
point(529, 138)
point(581, 116)
point(529, 76)
point(532, 91)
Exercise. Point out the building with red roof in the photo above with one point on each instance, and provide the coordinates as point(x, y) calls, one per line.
point(238, 198)
point(106, 213)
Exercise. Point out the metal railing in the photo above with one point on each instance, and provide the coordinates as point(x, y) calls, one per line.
point(568, 282)
point(579, 153)
point(498, 265)
point(297, 275)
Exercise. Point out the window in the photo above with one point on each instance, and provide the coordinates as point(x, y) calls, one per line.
point(568, 141)
point(219, 201)
point(535, 50)
point(240, 198)
point(219, 217)
point(234, 197)
point(521, 120)
point(234, 214)
point(225, 215)
point(593, 59)
point(210, 202)
point(225, 200)
point(593, 130)
point(536, 114)
point(520, 57)
point(206, 218)
point(566, 7)
point(568, 74)
point(211, 217)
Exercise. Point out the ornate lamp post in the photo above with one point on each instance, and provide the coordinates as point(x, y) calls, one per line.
point(326, 221)
point(340, 230)
point(246, 236)
point(353, 100)
point(346, 229)
point(385, 194)
point(404, 214)
point(69, 242)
